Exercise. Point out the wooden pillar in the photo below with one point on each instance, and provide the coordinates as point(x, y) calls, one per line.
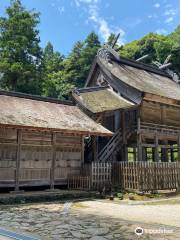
point(95, 150)
point(156, 149)
point(153, 154)
point(82, 150)
point(172, 153)
point(139, 147)
point(134, 153)
point(53, 163)
point(139, 140)
point(124, 149)
point(116, 120)
point(124, 153)
point(178, 145)
point(144, 153)
point(123, 127)
point(18, 158)
point(164, 156)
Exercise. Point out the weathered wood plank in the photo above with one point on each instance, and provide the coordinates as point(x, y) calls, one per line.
point(18, 157)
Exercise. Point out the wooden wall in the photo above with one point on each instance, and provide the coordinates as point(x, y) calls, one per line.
point(154, 112)
point(41, 157)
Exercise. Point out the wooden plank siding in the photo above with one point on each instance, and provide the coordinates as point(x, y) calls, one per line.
point(160, 113)
point(38, 157)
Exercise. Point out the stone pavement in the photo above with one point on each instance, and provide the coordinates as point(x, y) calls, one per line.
point(51, 222)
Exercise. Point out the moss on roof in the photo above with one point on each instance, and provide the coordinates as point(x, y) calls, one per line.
point(103, 100)
point(39, 114)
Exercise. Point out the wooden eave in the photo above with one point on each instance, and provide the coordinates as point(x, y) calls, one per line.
point(73, 132)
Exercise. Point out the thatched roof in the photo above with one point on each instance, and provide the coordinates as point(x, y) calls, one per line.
point(143, 80)
point(26, 111)
point(142, 77)
point(100, 99)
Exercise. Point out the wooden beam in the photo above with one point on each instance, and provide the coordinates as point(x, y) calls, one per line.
point(53, 163)
point(65, 131)
point(18, 158)
point(156, 149)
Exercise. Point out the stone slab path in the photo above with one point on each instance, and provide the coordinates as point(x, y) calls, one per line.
point(94, 220)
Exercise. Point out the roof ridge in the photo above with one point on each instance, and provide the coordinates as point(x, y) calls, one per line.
point(109, 54)
point(35, 97)
point(143, 66)
point(90, 89)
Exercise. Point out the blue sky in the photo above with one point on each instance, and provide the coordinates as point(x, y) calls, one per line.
point(63, 22)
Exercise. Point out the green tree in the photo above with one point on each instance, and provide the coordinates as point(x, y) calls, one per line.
point(79, 61)
point(158, 47)
point(53, 83)
point(20, 54)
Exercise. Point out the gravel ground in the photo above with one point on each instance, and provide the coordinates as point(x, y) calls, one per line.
point(151, 214)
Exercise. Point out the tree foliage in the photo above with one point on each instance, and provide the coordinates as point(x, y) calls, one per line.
point(20, 54)
point(158, 47)
point(78, 63)
point(52, 64)
point(25, 67)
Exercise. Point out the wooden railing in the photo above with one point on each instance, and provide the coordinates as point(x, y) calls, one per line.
point(110, 147)
point(160, 128)
point(146, 176)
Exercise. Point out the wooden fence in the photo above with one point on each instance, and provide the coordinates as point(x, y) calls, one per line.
point(101, 174)
point(146, 176)
point(79, 183)
point(143, 176)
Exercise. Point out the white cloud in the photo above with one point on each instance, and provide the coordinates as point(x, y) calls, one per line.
point(61, 9)
point(169, 20)
point(157, 5)
point(102, 25)
point(170, 12)
point(79, 2)
point(161, 31)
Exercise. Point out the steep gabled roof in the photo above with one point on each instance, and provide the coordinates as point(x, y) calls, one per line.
point(100, 99)
point(142, 77)
point(23, 110)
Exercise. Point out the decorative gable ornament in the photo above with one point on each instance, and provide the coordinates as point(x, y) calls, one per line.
point(107, 53)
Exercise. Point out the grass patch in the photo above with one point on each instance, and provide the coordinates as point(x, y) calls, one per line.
point(165, 202)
